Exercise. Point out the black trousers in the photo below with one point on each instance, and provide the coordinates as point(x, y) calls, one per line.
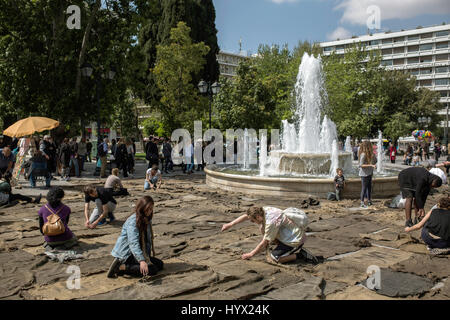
point(168, 163)
point(14, 197)
point(366, 190)
point(133, 267)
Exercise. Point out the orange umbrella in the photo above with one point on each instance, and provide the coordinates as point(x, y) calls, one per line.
point(29, 126)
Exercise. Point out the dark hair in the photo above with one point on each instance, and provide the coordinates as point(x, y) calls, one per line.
point(89, 189)
point(436, 182)
point(54, 196)
point(444, 203)
point(141, 208)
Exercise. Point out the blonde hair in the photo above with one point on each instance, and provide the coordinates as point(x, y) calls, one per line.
point(367, 149)
point(115, 171)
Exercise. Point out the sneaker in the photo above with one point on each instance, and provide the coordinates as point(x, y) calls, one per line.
point(409, 223)
point(114, 268)
point(307, 256)
point(370, 204)
point(363, 205)
point(102, 222)
point(38, 199)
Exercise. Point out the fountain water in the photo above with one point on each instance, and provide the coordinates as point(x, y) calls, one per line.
point(348, 144)
point(307, 145)
point(380, 153)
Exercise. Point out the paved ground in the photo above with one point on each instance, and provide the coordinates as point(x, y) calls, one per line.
point(203, 263)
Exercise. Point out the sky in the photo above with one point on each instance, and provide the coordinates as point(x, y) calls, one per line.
point(290, 21)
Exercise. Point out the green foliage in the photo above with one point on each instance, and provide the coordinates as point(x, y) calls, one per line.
point(176, 62)
point(154, 127)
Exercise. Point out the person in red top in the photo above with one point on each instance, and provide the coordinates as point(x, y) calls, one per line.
point(392, 152)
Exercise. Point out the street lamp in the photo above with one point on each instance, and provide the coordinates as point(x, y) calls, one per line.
point(86, 71)
point(209, 89)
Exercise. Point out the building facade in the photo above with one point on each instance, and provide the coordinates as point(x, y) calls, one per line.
point(229, 63)
point(423, 52)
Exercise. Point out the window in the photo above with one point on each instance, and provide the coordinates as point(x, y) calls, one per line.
point(399, 39)
point(426, 59)
point(441, 57)
point(413, 60)
point(328, 49)
point(374, 42)
point(425, 47)
point(441, 82)
point(442, 33)
point(426, 35)
point(426, 83)
point(441, 69)
point(386, 51)
point(425, 71)
point(443, 94)
point(385, 63)
point(413, 48)
point(386, 41)
point(442, 45)
point(415, 72)
point(399, 50)
point(339, 47)
point(399, 62)
point(414, 37)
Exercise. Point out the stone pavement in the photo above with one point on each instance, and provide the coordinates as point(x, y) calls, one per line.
point(201, 262)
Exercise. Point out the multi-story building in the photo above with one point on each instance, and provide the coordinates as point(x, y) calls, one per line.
point(424, 52)
point(229, 62)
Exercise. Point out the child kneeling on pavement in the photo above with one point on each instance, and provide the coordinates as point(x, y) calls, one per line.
point(284, 227)
point(134, 252)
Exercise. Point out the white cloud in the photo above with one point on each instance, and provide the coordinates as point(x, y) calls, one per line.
point(355, 11)
point(339, 33)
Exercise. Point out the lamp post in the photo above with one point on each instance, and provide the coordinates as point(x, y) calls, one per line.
point(86, 71)
point(209, 89)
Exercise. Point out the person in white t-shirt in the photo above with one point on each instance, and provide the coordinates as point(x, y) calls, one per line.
point(153, 178)
point(279, 229)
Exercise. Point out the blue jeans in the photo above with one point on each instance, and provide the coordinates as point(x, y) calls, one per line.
point(153, 181)
point(366, 190)
point(33, 180)
point(83, 160)
point(75, 164)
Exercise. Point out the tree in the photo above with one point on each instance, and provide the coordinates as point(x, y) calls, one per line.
point(175, 64)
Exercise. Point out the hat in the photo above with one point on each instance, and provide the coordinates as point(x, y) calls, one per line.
point(438, 172)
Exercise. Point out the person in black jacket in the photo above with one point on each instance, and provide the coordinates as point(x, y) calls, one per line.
point(64, 158)
point(415, 184)
point(121, 157)
point(152, 153)
point(167, 153)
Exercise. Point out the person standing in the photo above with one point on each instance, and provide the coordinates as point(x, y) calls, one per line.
point(189, 154)
point(130, 155)
point(392, 152)
point(89, 150)
point(113, 146)
point(367, 162)
point(102, 154)
point(415, 184)
point(48, 149)
point(82, 152)
point(121, 156)
point(74, 157)
point(151, 153)
point(339, 183)
point(64, 158)
point(167, 153)
point(437, 151)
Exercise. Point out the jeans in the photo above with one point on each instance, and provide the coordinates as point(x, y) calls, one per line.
point(33, 180)
point(75, 164)
point(338, 194)
point(366, 190)
point(153, 182)
point(97, 212)
point(83, 160)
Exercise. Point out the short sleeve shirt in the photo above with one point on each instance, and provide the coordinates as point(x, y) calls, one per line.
point(157, 175)
point(4, 161)
point(104, 195)
point(279, 227)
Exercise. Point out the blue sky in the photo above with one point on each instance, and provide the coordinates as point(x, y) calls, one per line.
point(288, 21)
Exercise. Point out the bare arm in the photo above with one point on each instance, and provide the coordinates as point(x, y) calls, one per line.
point(242, 218)
point(86, 213)
point(420, 224)
point(260, 247)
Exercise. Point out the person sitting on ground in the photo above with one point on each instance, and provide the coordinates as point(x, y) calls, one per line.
point(105, 205)
point(153, 178)
point(339, 183)
point(134, 252)
point(8, 198)
point(416, 159)
point(6, 161)
point(436, 226)
point(66, 239)
point(276, 227)
point(39, 162)
point(415, 184)
point(114, 184)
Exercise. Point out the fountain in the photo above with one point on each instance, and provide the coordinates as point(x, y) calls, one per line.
point(348, 144)
point(309, 153)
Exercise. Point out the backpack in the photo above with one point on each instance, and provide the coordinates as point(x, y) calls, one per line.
point(297, 216)
point(54, 226)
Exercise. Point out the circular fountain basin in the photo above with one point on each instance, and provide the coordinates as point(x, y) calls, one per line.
point(383, 187)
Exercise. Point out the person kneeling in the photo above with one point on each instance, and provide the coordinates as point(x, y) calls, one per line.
point(54, 220)
point(114, 185)
point(134, 252)
point(277, 227)
point(436, 227)
point(105, 205)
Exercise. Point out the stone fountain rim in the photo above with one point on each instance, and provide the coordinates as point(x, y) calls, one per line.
point(291, 180)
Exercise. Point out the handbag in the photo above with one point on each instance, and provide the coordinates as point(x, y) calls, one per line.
point(54, 226)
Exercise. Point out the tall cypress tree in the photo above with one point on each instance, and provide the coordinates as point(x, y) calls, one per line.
point(163, 15)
